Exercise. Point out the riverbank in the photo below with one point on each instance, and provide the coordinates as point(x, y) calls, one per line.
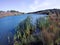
point(9, 13)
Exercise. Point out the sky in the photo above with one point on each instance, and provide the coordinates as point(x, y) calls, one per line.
point(29, 5)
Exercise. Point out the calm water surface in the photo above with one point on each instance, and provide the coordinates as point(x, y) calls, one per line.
point(8, 24)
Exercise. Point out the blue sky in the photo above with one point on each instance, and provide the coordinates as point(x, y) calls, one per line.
point(28, 5)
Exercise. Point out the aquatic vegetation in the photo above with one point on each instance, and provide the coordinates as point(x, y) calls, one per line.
point(49, 31)
point(24, 32)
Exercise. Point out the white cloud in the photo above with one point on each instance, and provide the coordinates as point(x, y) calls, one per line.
point(45, 4)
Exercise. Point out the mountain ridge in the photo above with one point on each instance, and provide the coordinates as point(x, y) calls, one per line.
point(47, 11)
point(13, 12)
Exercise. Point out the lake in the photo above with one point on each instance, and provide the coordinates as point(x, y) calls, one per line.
point(9, 23)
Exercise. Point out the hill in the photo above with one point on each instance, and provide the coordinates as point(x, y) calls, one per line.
point(47, 11)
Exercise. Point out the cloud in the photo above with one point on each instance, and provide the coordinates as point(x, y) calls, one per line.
point(29, 5)
point(44, 4)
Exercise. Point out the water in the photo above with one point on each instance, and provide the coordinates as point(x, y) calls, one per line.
point(8, 24)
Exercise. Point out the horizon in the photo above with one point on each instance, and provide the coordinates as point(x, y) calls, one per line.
point(28, 5)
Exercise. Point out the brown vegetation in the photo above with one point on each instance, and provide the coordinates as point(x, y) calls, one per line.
point(49, 31)
point(9, 13)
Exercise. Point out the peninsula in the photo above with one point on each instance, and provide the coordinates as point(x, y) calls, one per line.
point(9, 13)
